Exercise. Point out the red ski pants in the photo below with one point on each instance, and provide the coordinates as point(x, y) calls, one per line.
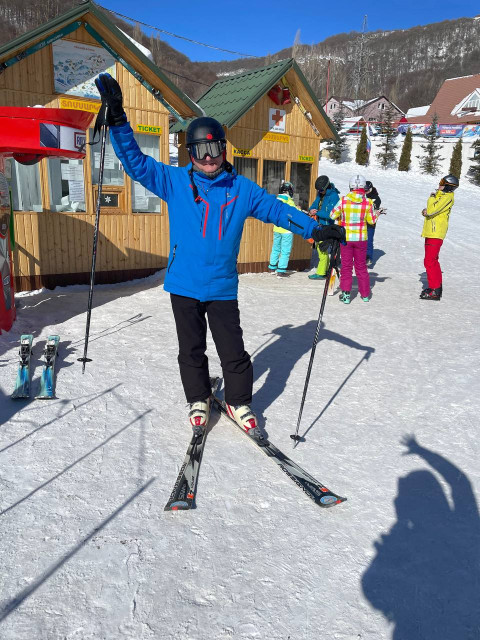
point(432, 265)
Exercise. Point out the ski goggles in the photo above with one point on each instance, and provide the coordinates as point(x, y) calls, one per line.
point(200, 150)
point(444, 183)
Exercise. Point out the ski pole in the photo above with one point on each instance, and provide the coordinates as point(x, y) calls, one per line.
point(84, 360)
point(333, 265)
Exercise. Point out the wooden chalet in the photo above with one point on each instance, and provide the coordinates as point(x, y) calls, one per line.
point(274, 125)
point(54, 201)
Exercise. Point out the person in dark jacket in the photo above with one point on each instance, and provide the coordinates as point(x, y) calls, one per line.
point(208, 204)
point(327, 197)
point(372, 194)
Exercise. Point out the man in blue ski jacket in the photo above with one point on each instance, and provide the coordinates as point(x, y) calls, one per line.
point(208, 203)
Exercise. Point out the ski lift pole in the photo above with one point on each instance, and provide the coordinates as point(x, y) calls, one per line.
point(333, 265)
point(103, 139)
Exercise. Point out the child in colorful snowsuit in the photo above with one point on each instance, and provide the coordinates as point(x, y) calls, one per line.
point(282, 238)
point(372, 194)
point(327, 197)
point(208, 204)
point(354, 211)
point(435, 229)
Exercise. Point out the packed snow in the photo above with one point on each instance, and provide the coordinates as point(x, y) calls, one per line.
point(390, 421)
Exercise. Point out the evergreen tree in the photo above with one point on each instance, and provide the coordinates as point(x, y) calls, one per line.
point(387, 156)
point(337, 146)
point(456, 160)
point(474, 171)
point(361, 157)
point(406, 155)
point(430, 162)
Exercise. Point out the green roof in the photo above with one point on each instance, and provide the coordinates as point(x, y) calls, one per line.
point(228, 99)
point(89, 7)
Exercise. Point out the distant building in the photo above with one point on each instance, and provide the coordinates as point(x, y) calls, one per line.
point(457, 102)
point(372, 110)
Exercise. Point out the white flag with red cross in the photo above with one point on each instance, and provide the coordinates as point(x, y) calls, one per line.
point(276, 120)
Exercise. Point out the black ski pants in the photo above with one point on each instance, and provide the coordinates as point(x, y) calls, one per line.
point(224, 322)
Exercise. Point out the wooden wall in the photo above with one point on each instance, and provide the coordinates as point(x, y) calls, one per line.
point(55, 248)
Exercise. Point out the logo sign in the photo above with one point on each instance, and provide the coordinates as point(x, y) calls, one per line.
point(151, 130)
point(450, 130)
point(243, 153)
point(306, 158)
point(109, 200)
point(79, 140)
point(81, 105)
point(276, 137)
point(276, 120)
point(328, 499)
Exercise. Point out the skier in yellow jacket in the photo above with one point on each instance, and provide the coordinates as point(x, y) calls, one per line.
point(282, 238)
point(435, 229)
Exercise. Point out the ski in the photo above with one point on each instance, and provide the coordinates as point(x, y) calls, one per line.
point(314, 489)
point(183, 494)
point(22, 383)
point(47, 381)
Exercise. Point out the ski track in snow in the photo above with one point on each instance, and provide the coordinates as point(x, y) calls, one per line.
point(87, 551)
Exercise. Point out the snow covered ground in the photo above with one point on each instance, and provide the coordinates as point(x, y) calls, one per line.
point(391, 421)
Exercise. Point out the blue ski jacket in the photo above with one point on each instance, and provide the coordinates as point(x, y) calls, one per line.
point(330, 199)
point(205, 235)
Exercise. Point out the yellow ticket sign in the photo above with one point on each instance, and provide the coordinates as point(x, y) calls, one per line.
point(306, 158)
point(81, 105)
point(276, 137)
point(243, 153)
point(150, 129)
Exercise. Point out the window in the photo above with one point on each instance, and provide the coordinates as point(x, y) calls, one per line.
point(25, 183)
point(300, 174)
point(273, 174)
point(112, 168)
point(473, 104)
point(381, 105)
point(66, 184)
point(246, 167)
point(143, 200)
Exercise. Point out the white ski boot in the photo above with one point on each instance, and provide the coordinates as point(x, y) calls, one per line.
point(244, 417)
point(198, 415)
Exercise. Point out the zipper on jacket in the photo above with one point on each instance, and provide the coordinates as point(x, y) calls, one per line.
point(173, 258)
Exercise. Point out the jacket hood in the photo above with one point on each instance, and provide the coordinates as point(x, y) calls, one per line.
point(354, 196)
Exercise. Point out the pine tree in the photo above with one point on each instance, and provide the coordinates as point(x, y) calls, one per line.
point(406, 155)
point(456, 160)
point(361, 157)
point(430, 162)
point(387, 156)
point(337, 146)
point(474, 171)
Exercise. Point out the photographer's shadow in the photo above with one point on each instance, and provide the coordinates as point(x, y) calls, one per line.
point(425, 578)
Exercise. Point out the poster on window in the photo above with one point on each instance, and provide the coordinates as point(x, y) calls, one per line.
point(76, 65)
point(276, 120)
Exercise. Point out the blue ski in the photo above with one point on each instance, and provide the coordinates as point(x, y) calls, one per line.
point(47, 381)
point(22, 383)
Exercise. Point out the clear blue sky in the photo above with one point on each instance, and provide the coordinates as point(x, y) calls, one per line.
point(259, 27)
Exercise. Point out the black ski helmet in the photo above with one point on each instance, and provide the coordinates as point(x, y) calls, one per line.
point(204, 129)
point(287, 187)
point(450, 182)
point(322, 183)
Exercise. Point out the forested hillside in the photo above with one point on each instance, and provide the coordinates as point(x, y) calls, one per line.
point(407, 65)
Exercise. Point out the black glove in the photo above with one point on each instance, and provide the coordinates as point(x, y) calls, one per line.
point(111, 95)
point(328, 233)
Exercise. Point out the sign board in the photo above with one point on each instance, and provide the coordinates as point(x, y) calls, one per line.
point(276, 137)
point(306, 158)
point(76, 65)
point(276, 120)
point(242, 153)
point(80, 105)
point(109, 200)
point(147, 128)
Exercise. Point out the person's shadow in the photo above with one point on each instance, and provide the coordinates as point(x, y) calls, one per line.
point(278, 358)
point(425, 577)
